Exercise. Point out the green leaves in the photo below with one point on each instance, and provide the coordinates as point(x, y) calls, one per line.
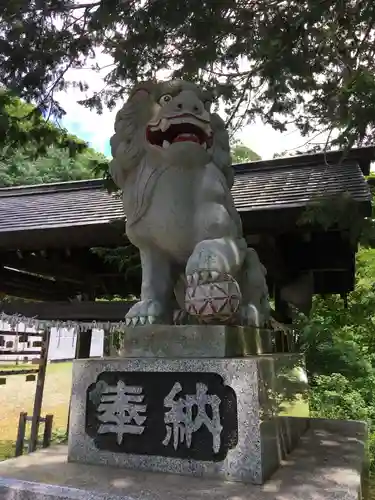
point(304, 62)
point(243, 154)
point(55, 166)
point(33, 151)
point(127, 260)
point(340, 212)
point(335, 397)
point(23, 128)
point(339, 345)
point(100, 169)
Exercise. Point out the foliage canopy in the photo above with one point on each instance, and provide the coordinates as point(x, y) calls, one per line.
point(243, 154)
point(24, 160)
point(304, 62)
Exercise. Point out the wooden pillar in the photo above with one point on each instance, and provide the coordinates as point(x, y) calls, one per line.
point(21, 434)
point(281, 307)
point(38, 401)
point(83, 345)
point(48, 424)
point(282, 311)
point(107, 341)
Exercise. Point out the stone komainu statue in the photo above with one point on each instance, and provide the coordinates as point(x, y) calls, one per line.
point(171, 159)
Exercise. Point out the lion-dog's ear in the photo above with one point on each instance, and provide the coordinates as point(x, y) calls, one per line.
point(141, 90)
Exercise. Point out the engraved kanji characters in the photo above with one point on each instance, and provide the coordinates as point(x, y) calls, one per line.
point(188, 414)
point(121, 410)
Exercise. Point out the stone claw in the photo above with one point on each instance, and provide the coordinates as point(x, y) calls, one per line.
point(205, 276)
point(214, 275)
point(144, 312)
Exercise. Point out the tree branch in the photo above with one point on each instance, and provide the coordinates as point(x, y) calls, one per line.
point(82, 6)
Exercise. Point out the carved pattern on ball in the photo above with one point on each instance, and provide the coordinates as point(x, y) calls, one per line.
point(211, 296)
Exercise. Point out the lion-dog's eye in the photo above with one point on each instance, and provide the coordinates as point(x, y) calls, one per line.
point(164, 99)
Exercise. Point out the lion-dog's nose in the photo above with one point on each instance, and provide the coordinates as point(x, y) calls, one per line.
point(188, 102)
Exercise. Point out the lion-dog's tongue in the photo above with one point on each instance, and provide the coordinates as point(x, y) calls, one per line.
point(186, 138)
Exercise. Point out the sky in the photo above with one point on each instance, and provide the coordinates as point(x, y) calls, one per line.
point(97, 129)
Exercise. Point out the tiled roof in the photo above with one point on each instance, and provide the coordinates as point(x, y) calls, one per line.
point(58, 205)
point(291, 186)
point(258, 186)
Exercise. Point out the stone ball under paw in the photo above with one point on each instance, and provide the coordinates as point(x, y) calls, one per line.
point(212, 297)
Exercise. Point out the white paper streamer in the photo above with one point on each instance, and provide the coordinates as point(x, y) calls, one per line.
point(78, 326)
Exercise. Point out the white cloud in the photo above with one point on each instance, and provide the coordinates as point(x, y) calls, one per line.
point(266, 141)
point(86, 124)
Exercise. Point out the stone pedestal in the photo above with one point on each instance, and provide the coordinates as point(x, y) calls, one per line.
point(216, 417)
point(191, 341)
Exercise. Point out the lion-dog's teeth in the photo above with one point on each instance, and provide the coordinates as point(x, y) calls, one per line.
point(164, 125)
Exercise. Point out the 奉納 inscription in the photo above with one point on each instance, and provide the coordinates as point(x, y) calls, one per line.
point(180, 419)
point(121, 410)
point(185, 415)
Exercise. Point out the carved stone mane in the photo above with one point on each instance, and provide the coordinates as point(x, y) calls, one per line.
point(132, 161)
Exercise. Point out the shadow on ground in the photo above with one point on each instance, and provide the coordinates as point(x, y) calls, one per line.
point(330, 458)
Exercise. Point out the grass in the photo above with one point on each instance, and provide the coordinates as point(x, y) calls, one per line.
point(298, 408)
point(21, 366)
point(18, 395)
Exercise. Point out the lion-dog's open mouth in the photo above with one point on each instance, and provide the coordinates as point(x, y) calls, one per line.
point(182, 128)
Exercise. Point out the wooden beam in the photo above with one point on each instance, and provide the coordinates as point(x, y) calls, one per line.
point(82, 271)
point(20, 334)
point(31, 282)
point(65, 311)
point(45, 267)
point(20, 292)
point(45, 291)
point(76, 267)
point(78, 237)
point(18, 353)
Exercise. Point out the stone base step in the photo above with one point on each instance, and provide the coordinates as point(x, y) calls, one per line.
point(327, 464)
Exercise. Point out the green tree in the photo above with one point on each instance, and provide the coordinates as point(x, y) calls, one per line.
point(311, 63)
point(65, 157)
point(55, 166)
point(243, 154)
point(23, 128)
point(339, 345)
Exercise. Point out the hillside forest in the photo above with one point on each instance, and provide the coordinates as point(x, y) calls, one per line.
point(337, 338)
